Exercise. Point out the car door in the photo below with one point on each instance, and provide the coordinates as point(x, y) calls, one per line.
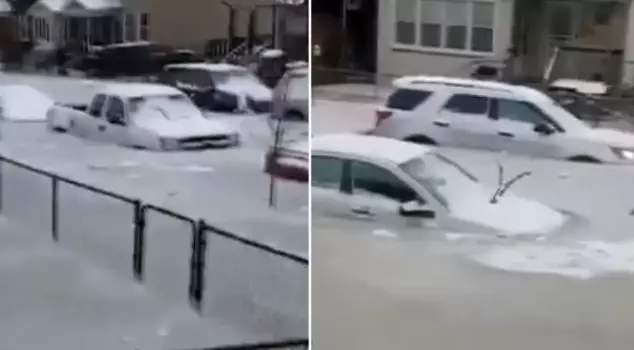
point(329, 176)
point(376, 194)
point(466, 117)
point(89, 126)
point(116, 117)
point(515, 123)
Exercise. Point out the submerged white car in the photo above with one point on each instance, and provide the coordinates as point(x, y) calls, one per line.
point(496, 117)
point(219, 86)
point(147, 116)
point(400, 184)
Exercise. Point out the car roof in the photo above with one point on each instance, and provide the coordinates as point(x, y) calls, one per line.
point(211, 67)
point(130, 90)
point(434, 83)
point(366, 146)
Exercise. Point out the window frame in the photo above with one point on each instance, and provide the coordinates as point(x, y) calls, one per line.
point(352, 187)
point(103, 104)
point(486, 114)
point(106, 111)
point(143, 24)
point(344, 185)
point(494, 110)
point(417, 46)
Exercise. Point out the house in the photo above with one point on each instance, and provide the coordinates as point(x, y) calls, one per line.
point(192, 23)
point(587, 39)
point(187, 24)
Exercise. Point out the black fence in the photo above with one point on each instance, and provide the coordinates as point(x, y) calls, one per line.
point(292, 344)
point(198, 234)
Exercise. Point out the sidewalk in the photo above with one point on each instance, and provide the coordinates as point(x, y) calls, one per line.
point(53, 299)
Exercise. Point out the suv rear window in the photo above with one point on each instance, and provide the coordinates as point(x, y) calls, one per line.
point(407, 99)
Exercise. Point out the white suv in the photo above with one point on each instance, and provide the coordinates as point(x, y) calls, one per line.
point(497, 117)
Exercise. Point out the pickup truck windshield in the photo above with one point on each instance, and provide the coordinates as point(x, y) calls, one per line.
point(237, 76)
point(171, 107)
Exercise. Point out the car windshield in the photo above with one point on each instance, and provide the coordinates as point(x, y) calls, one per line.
point(444, 179)
point(236, 76)
point(171, 107)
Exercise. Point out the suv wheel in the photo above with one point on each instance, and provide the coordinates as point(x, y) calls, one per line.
point(421, 140)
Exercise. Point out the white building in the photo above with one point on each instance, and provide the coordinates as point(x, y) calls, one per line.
point(447, 36)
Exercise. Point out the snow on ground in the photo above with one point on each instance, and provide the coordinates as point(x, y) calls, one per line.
point(53, 298)
point(24, 103)
point(65, 90)
point(247, 288)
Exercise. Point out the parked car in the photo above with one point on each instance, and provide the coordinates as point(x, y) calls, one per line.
point(130, 59)
point(401, 184)
point(497, 117)
point(290, 97)
point(147, 116)
point(219, 87)
point(289, 161)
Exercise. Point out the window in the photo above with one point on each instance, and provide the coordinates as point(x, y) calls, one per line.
point(97, 105)
point(468, 104)
point(482, 27)
point(30, 24)
point(144, 26)
point(116, 111)
point(519, 111)
point(326, 172)
point(560, 20)
point(406, 22)
point(407, 99)
point(130, 27)
point(463, 25)
point(372, 179)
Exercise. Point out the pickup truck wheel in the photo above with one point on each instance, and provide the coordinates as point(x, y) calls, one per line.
point(58, 129)
point(421, 140)
point(584, 159)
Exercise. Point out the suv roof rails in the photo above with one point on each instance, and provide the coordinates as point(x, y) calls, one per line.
point(458, 82)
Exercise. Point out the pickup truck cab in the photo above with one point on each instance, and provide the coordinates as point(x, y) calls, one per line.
point(148, 116)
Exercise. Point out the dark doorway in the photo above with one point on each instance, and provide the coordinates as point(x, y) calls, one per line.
point(346, 32)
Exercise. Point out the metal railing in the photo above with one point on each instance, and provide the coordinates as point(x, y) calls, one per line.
point(292, 344)
point(198, 229)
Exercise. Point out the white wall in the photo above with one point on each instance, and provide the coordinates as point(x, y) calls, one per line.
point(396, 63)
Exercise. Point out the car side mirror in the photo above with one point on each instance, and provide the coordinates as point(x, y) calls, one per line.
point(416, 209)
point(544, 129)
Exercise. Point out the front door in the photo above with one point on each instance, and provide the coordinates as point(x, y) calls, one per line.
point(515, 123)
point(466, 119)
point(115, 130)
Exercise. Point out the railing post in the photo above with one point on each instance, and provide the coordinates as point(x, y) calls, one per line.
point(193, 283)
point(197, 265)
point(1, 182)
point(138, 256)
point(54, 208)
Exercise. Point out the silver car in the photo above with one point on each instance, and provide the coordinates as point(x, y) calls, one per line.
point(290, 97)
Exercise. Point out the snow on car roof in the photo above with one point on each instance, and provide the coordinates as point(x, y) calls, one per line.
point(130, 90)
point(5, 8)
point(368, 146)
point(129, 44)
point(211, 67)
point(59, 5)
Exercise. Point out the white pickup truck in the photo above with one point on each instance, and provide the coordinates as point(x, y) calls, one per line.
point(147, 116)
